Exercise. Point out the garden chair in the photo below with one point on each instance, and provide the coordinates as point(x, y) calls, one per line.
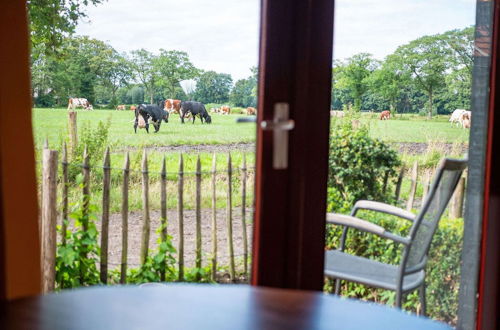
point(410, 273)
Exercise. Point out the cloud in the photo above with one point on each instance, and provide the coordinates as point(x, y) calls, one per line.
point(223, 35)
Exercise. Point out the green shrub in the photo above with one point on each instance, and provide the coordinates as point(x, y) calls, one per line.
point(442, 272)
point(358, 165)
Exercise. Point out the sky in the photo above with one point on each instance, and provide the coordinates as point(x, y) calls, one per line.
point(223, 35)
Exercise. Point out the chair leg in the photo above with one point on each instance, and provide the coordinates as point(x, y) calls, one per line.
point(399, 298)
point(337, 286)
point(423, 304)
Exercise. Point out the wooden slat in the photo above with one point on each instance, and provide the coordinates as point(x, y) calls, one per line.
point(413, 188)
point(180, 213)
point(125, 187)
point(427, 180)
point(457, 204)
point(214, 217)
point(198, 216)
point(399, 182)
point(65, 220)
point(146, 225)
point(229, 220)
point(85, 208)
point(243, 213)
point(73, 136)
point(106, 183)
point(49, 219)
point(163, 207)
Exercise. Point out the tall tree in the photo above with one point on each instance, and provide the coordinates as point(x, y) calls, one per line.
point(142, 65)
point(172, 67)
point(353, 75)
point(53, 20)
point(117, 72)
point(213, 87)
point(425, 59)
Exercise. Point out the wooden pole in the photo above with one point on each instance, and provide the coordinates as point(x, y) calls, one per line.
point(243, 213)
point(106, 182)
point(198, 216)
point(126, 171)
point(229, 220)
point(427, 180)
point(457, 205)
point(65, 220)
point(85, 208)
point(399, 182)
point(386, 179)
point(180, 209)
point(73, 136)
point(163, 206)
point(145, 209)
point(413, 188)
point(49, 219)
point(214, 218)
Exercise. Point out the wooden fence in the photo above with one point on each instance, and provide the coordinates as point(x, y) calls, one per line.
point(51, 211)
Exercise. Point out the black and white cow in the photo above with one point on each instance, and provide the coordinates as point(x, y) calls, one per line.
point(149, 111)
point(194, 108)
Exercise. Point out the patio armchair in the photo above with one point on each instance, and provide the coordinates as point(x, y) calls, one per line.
point(410, 273)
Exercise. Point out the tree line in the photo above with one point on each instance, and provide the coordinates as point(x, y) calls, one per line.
point(429, 75)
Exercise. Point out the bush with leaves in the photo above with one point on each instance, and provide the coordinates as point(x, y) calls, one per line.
point(77, 258)
point(358, 166)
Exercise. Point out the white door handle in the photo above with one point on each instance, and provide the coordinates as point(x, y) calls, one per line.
point(280, 125)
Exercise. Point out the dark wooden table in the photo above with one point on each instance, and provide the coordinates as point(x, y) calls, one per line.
point(182, 306)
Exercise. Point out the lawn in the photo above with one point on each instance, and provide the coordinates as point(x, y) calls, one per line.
point(52, 124)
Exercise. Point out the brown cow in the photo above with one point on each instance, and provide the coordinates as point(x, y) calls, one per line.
point(251, 111)
point(133, 107)
point(385, 115)
point(465, 120)
point(225, 110)
point(120, 107)
point(172, 106)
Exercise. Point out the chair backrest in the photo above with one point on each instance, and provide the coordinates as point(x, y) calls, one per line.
point(445, 181)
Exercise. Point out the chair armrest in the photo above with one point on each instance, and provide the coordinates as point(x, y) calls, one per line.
point(363, 225)
point(383, 208)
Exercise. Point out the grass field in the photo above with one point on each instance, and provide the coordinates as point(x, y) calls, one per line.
point(52, 124)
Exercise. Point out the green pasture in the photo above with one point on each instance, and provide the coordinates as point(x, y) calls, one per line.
point(52, 124)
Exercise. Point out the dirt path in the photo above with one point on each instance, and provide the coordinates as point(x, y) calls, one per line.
point(135, 230)
point(403, 147)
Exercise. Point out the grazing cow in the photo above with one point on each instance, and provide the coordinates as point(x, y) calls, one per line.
point(225, 110)
point(133, 107)
point(338, 114)
point(456, 115)
point(194, 108)
point(144, 112)
point(172, 106)
point(465, 119)
point(251, 111)
point(120, 107)
point(76, 102)
point(385, 115)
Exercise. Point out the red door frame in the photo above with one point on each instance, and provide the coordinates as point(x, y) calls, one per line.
point(489, 271)
point(295, 67)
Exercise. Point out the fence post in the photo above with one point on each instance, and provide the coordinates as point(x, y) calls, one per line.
point(49, 219)
point(126, 171)
point(399, 182)
point(386, 179)
point(457, 204)
point(64, 165)
point(73, 137)
point(214, 218)
point(106, 182)
point(243, 213)
point(413, 189)
point(229, 219)
point(198, 216)
point(85, 208)
point(180, 209)
point(145, 207)
point(163, 206)
point(427, 180)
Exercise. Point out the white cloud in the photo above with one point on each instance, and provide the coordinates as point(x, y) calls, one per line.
point(222, 35)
